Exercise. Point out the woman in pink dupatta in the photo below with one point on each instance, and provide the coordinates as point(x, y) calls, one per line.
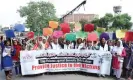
point(118, 57)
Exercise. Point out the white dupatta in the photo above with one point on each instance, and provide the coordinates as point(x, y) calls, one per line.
point(55, 46)
point(105, 47)
point(6, 51)
point(118, 51)
point(80, 46)
point(67, 46)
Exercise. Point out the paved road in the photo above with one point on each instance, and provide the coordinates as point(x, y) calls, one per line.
point(57, 77)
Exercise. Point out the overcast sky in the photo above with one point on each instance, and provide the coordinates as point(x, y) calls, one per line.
point(9, 15)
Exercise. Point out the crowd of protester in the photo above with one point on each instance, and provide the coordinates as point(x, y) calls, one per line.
point(122, 52)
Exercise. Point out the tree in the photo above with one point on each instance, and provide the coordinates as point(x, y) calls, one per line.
point(38, 15)
point(71, 26)
point(122, 21)
point(83, 22)
point(103, 21)
point(96, 22)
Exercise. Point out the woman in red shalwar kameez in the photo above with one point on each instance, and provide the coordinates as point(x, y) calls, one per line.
point(118, 57)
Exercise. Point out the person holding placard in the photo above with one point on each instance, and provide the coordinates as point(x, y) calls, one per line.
point(43, 43)
point(55, 44)
point(23, 44)
point(103, 46)
point(89, 45)
point(7, 61)
point(79, 44)
point(16, 57)
point(73, 45)
point(118, 53)
point(95, 45)
point(128, 61)
point(49, 43)
point(67, 45)
point(84, 43)
point(129, 72)
point(34, 45)
point(61, 43)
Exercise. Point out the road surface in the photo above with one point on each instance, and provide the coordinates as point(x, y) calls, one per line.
point(60, 76)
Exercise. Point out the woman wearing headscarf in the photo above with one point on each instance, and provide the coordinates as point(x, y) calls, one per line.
point(7, 61)
point(1, 47)
point(55, 44)
point(129, 72)
point(23, 44)
point(103, 46)
point(73, 45)
point(49, 43)
point(79, 44)
point(67, 45)
point(95, 45)
point(110, 44)
point(84, 43)
point(16, 57)
point(118, 53)
point(34, 45)
point(43, 43)
point(89, 45)
point(61, 42)
point(128, 60)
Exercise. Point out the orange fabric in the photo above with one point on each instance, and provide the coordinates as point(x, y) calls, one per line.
point(47, 31)
point(53, 24)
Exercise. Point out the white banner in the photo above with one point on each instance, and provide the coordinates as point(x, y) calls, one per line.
point(40, 61)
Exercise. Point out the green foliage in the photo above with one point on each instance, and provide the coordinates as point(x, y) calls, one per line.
point(103, 21)
point(108, 21)
point(83, 22)
point(71, 26)
point(122, 21)
point(96, 22)
point(38, 14)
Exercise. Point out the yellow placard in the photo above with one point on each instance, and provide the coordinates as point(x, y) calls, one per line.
point(120, 33)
